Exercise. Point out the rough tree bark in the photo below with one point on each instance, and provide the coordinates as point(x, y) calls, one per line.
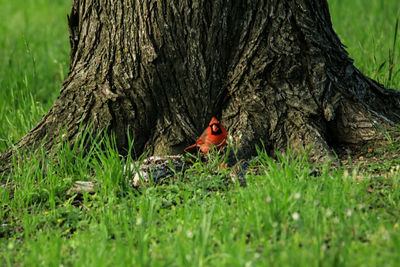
point(271, 70)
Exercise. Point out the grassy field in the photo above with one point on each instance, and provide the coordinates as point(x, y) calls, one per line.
point(285, 215)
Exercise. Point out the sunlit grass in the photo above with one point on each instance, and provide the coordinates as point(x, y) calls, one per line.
point(34, 51)
point(367, 28)
point(284, 216)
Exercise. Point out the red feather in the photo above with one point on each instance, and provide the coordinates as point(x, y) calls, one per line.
point(214, 135)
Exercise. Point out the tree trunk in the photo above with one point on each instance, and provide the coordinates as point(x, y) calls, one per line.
point(270, 70)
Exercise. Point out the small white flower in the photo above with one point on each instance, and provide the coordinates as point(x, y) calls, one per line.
point(297, 196)
point(295, 216)
point(189, 234)
point(268, 199)
point(349, 213)
point(139, 221)
point(329, 213)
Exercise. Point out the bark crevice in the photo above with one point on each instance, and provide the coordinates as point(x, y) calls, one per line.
point(272, 71)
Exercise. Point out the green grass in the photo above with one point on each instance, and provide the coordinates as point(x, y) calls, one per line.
point(34, 53)
point(367, 28)
point(284, 216)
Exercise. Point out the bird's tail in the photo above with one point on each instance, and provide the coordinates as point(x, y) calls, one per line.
point(190, 147)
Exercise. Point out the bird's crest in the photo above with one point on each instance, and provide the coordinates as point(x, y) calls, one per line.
point(214, 121)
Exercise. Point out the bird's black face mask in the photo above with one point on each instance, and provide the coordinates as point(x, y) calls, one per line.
point(215, 129)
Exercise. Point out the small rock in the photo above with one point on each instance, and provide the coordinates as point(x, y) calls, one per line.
point(82, 186)
point(155, 169)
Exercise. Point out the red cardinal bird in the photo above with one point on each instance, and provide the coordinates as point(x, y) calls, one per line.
point(215, 135)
